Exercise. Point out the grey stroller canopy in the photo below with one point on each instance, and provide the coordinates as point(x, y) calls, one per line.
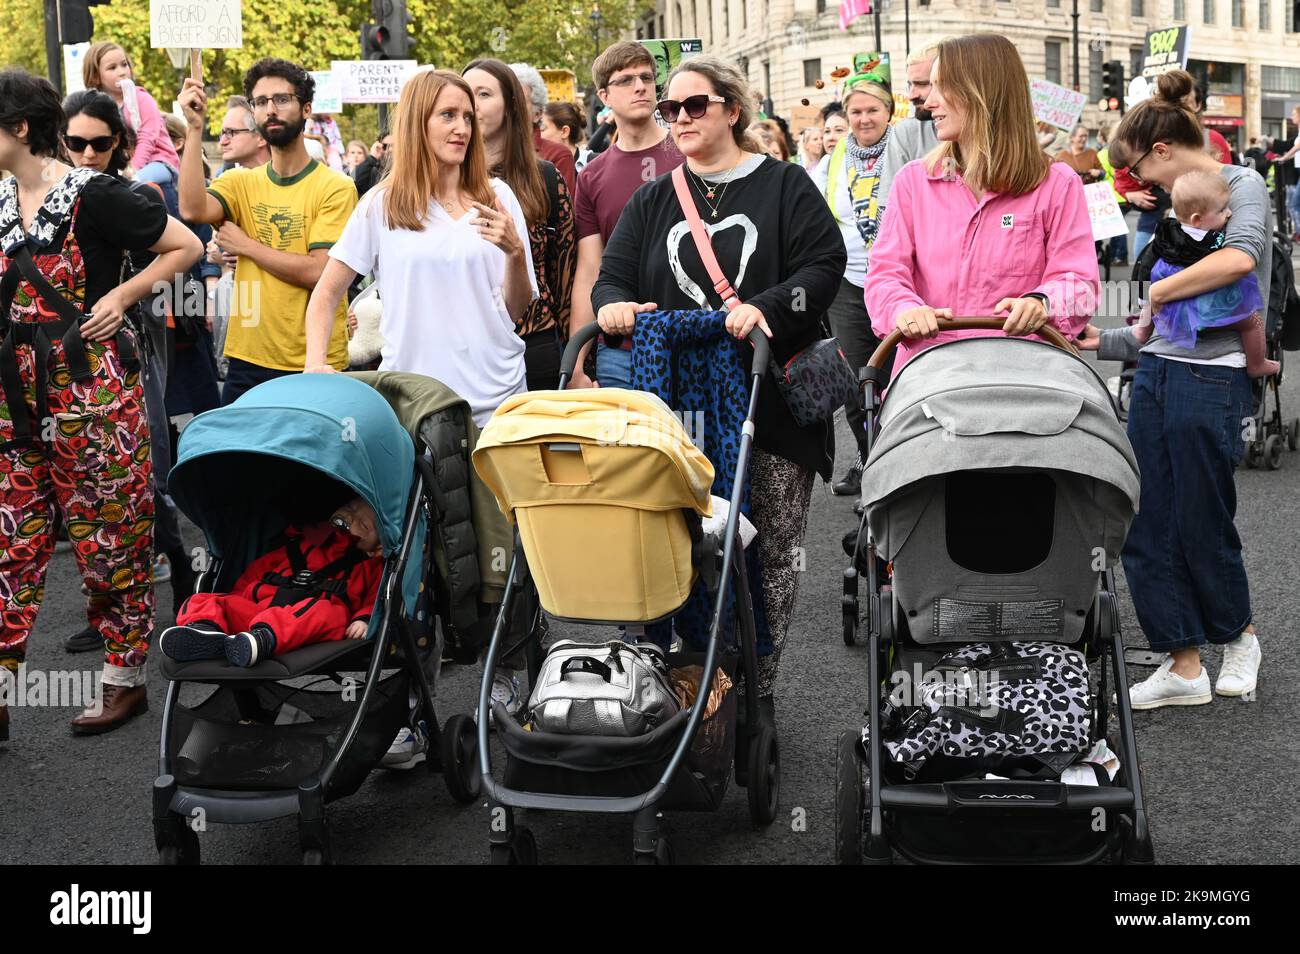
point(1001, 484)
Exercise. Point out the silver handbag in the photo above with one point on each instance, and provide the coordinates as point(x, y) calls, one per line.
point(602, 689)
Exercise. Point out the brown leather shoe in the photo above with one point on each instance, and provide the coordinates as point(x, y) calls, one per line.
point(120, 705)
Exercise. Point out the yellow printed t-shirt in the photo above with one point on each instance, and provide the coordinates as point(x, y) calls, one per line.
point(304, 212)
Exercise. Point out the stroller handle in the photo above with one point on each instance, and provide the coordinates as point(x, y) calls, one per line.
point(587, 333)
point(991, 323)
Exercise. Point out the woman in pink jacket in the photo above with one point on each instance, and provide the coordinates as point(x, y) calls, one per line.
point(108, 68)
point(985, 224)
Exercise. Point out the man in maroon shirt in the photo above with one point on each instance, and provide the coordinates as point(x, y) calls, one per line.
point(552, 152)
point(624, 76)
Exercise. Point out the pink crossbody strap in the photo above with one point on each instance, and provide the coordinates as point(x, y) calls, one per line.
point(730, 299)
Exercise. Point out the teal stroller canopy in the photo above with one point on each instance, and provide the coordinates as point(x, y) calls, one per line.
point(289, 451)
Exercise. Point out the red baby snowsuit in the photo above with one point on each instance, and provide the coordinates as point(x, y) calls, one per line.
point(307, 591)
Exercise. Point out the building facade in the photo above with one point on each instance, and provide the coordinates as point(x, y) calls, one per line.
point(1248, 51)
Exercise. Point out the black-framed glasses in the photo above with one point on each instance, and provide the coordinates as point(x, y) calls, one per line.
point(281, 100)
point(99, 143)
point(695, 106)
point(624, 81)
point(1133, 169)
point(230, 133)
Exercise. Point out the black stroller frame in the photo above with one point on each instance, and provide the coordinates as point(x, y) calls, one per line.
point(451, 745)
point(864, 806)
point(513, 844)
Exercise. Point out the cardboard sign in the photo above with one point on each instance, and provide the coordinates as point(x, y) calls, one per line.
point(74, 55)
point(873, 62)
point(196, 24)
point(802, 117)
point(1164, 50)
point(1056, 105)
point(561, 86)
point(329, 94)
point(372, 81)
point(1103, 210)
point(668, 53)
point(902, 108)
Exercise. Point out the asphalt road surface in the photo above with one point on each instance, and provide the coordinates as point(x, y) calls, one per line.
point(1220, 778)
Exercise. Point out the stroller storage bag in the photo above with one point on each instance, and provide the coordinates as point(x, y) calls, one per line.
point(602, 689)
point(1003, 699)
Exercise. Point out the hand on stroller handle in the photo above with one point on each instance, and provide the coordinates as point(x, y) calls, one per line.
point(991, 323)
point(587, 333)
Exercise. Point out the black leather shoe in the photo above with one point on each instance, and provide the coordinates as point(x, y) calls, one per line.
point(850, 485)
point(86, 641)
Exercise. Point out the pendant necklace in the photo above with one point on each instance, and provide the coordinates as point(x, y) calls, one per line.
point(708, 191)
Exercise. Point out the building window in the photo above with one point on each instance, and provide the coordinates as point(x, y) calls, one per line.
point(1293, 17)
point(1207, 11)
point(821, 7)
point(1239, 13)
point(744, 14)
point(1180, 9)
point(1095, 83)
point(812, 72)
point(1097, 6)
point(1053, 4)
point(1136, 55)
point(1279, 79)
point(1137, 8)
point(1265, 16)
point(1052, 69)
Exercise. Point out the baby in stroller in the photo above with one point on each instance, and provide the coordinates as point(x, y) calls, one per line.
point(318, 587)
point(1201, 205)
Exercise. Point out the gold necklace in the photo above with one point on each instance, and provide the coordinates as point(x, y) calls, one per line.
point(702, 186)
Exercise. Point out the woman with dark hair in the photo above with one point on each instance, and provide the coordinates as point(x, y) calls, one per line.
point(1183, 557)
point(563, 123)
point(775, 239)
point(506, 124)
point(65, 359)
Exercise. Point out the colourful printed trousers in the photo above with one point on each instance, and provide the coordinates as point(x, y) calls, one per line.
point(88, 464)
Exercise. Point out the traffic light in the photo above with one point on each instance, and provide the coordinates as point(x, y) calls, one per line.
point(1112, 85)
point(76, 25)
point(374, 40)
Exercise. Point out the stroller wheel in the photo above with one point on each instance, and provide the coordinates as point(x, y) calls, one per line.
point(663, 854)
point(1252, 455)
point(460, 758)
point(1273, 451)
point(1293, 434)
point(764, 775)
point(521, 850)
point(185, 850)
point(850, 798)
point(314, 856)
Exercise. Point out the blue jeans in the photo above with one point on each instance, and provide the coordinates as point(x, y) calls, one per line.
point(1183, 555)
point(166, 178)
point(613, 367)
point(1293, 204)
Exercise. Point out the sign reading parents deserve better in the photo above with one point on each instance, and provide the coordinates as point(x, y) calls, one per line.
point(196, 24)
point(1103, 210)
point(372, 81)
point(1056, 105)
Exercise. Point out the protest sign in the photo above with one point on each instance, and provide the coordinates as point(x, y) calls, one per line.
point(1055, 104)
point(1164, 50)
point(329, 94)
point(196, 24)
point(1103, 210)
point(561, 86)
point(372, 81)
point(668, 53)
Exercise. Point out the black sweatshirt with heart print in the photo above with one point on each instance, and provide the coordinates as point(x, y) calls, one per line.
point(778, 244)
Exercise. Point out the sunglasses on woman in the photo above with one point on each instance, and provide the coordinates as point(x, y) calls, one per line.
point(99, 143)
point(695, 106)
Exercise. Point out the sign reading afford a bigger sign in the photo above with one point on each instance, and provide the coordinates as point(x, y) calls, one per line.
point(196, 24)
point(1164, 50)
point(372, 81)
point(1056, 105)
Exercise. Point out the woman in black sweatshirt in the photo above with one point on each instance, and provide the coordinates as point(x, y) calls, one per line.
point(777, 243)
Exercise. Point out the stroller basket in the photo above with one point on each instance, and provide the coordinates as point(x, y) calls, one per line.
point(615, 766)
point(272, 736)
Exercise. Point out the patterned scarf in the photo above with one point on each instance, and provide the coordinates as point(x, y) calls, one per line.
point(864, 180)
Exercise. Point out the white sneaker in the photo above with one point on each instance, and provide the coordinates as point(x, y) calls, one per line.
point(408, 750)
point(1240, 667)
point(1167, 688)
point(505, 689)
point(162, 568)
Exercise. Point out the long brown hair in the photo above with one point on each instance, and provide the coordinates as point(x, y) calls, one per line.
point(1164, 116)
point(94, 56)
point(519, 165)
point(983, 75)
point(411, 180)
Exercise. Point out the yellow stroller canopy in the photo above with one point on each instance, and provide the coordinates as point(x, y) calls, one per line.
point(597, 480)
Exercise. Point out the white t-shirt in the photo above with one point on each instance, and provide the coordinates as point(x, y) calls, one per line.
point(444, 310)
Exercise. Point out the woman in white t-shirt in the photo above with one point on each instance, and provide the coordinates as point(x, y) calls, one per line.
point(448, 247)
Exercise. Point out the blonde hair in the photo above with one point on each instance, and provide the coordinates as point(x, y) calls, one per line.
point(94, 56)
point(411, 180)
point(921, 54)
point(983, 75)
point(1200, 192)
point(878, 90)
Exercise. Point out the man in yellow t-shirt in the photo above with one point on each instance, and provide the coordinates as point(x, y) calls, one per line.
point(280, 219)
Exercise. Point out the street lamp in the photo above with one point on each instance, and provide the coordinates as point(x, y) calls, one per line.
point(596, 21)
